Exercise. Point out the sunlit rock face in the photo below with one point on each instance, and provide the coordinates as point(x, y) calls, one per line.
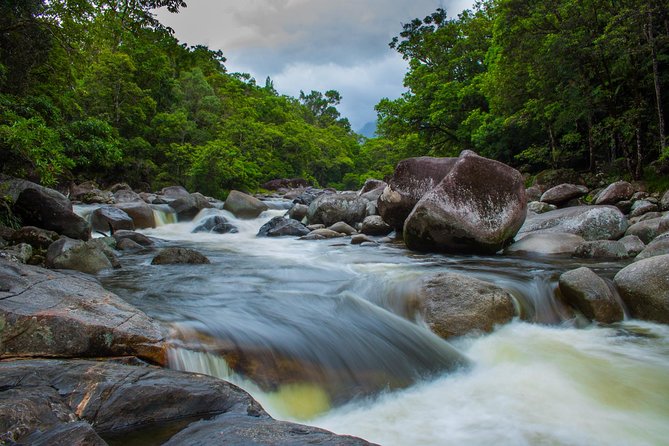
point(477, 208)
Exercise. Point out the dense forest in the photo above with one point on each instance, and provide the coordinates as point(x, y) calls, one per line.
point(99, 89)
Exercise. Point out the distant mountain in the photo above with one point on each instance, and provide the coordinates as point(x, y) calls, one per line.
point(368, 130)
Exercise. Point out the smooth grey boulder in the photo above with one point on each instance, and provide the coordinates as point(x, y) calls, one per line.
point(563, 193)
point(281, 227)
point(647, 230)
point(343, 228)
point(591, 295)
point(454, 305)
point(48, 313)
point(110, 218)
point(38, 208)
point(172, 256)
point(140, 212)
point(188, 207)
point(375, 225)
point(618, 191)
point(659, 246)
point(216, 224)
point(546, 244)
point(298, 211)
point(329, 209)
point(633, 244)
point(644, 287)
point(602, 249)
point(478, 207)
point(641, 207)
point(413, 178)
point(77, 255)
point(245, 206)
point(589, 222)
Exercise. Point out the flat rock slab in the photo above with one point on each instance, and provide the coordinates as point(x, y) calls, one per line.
point(53, 314)
point(100, 398)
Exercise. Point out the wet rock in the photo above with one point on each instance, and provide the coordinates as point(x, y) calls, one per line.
point(413, 178)
point(374, 225)
point(329, 209)
point(244, 206)
point(659, 246)
point(360, 239)
point(314, 227)
point(454, 305)
point(372, 185)
point(171, 256)
point(127, 196)
point(216, 224)
point(174, 192)
point(625, 206)
point(306, 197)
point(77, 255)
point(298, 211)
point(478, 207)
point(644, 287)
point(563, 193)
point(322, 234)
point(47, 313)
point(343, 228)
point(110, 218)
point(591, 295)
point(134, 236)
point(618, 191)
point(602, 249)
point(39, 208)
point(36, 237)
point(633, 245)
point(188, 207)
point(12, 187)
point(89, 193)
point(539, 208)
point(590, 222)
point(546, 244)
point(647, 230)
point(127, 244)
point(279, 227)
point(641, 207)
point(140, 212)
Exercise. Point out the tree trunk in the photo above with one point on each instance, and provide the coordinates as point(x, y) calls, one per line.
point(639, 155)
point(656, 78)
point(591, 146)
point(551, 138)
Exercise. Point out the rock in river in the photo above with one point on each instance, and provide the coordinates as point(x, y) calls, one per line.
point(243, 205)
point(590, 222)
point(644, 287)
point(171, 256)
point(588, 292)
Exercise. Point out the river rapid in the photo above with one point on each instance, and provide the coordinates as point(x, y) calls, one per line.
point(326, 333)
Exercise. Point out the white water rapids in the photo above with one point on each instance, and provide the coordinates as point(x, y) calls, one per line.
point(341, 312)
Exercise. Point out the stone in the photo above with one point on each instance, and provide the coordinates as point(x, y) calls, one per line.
point(172, 256)
point(21, 252)
point(329, 209)
point(589, 222)
point(563, 193)
point(454, 305)
point(285, 183)
point(553, 177)
point(321, 234)
point(127, 244)
point(343, 228)
point(280, 227)
point(140, 212)
point(625, 206)
point(602, 249)
point(89, 193)
point(136, 237)
point(36, 237)
point(657, 247)
point(298, 211)
point(111, 219)
point(591, 295)
point(644, 287)
point(546, 244)
point(119, 186)
point(647, 230)
point(216, 224)
point(641, 207)
point(374, 225)
point(38, 208)
point(664, 202)
point(77, 255)
point(646, 216)
point(372, 185)
point(533, 193)
point(12, 187)
point(539, 207)
point(174, 192)
point(244, 206)
point(618, 191)
point(47, 313)
point(413, 178)
point(477, 208)
point(360, 239)
point(126, 196)
point(306, 197)
point(188, 207)
point(633, 245)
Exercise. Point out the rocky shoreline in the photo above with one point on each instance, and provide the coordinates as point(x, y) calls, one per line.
point(80, 365)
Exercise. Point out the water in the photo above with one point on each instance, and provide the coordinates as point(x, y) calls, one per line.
point(326, 333)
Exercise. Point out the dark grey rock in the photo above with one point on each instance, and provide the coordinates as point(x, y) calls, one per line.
point(38, 208)
point(171, 256)
point(279, 227)
point(591, 295)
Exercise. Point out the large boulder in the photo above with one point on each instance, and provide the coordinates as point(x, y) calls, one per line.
point(110, 218)
point(140, 212)
point(374, 225)
point(285, 183)
point(591, 295)
point(216, 224)
point(38, 208)
point(618, 191)
point(589, 222)
point(12, 187)
point(245, 206)
point(664, 202)
point(172, 256)
point(478, 207)
point(633, 245)
point(563, 193)
point(329, 209)
point(47, 313)
point(413, 178)
point(77, 255)
point(644, 287)
point(126, 196)
point(602, 249)
point(647, 230)
point(454, 305)
point(57, 402)
point(546, 244)
point(188, 207)
point(298, 211)
point(659, 246)
point(89, 193)
point(174, 192)
point(280, 227)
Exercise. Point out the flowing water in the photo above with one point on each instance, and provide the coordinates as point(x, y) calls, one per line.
point(325, 332)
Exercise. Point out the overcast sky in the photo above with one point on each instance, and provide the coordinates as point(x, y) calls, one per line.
point(311, 44)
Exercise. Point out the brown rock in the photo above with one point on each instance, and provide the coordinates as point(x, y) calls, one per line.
point(243, 205)
point(171, 256)
point(38, 208)
point(35, 237)
point(563, 193)
point(618, 191)
point(110, 218)
point(644, 287)
point(140, 212)
point(590, 294)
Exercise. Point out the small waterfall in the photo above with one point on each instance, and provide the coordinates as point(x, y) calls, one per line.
point(163, 214)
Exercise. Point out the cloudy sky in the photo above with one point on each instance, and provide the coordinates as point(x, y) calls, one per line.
point(311, 44)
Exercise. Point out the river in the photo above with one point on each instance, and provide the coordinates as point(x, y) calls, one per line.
point(325, 333)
